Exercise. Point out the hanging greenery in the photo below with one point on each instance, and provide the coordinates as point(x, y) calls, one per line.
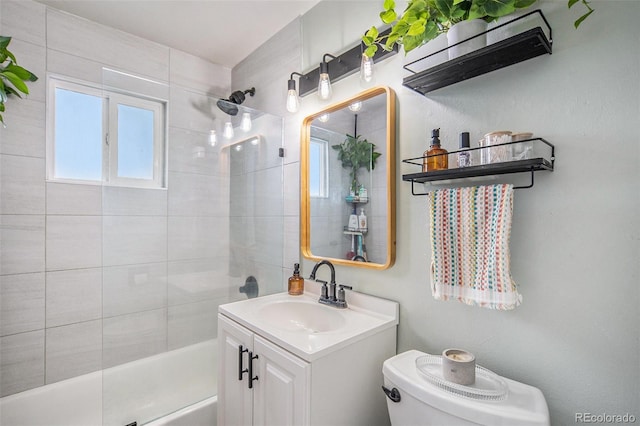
point(12, 76)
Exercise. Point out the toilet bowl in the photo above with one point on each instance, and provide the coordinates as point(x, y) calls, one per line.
point(423, 397)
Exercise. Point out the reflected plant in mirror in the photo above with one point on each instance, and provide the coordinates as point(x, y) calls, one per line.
point(348, 182)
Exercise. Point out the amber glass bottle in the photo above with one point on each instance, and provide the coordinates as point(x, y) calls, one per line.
point(296, 282)
point(435, 158)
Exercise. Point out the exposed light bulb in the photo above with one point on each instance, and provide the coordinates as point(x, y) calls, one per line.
point(245, 124)
point(293, 103)
point(228, 130)
point(356, 106)
point(213, 137)
point(324, 118)
point(366, 69)
point(324, 84)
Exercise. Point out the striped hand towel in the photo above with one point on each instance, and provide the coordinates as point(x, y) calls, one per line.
point(470, 229)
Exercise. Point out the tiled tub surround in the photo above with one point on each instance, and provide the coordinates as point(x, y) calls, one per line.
point(94, 276)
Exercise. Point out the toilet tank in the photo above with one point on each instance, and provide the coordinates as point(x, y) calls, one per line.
point(425, 403)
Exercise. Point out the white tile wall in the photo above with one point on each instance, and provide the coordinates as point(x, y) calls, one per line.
point(24, 20)
point(73, 199)
point(194, 280)
point(134, 336)
point(24, 133)
point(190, 71)
point(21, 362)
point(134, 288)
point(190, 152)
point(198, 195)
point(73, 296)
point(134, 239)
point(198, 237)
point(73, 350)
point(21, 303)
point(74, 242)
point(118, 201)
point(22, 243)
point(192, 323)
point(22, 189)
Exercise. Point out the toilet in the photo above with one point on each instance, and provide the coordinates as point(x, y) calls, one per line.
point(417, 394)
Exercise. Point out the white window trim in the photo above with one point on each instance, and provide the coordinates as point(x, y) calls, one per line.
point(109, 171)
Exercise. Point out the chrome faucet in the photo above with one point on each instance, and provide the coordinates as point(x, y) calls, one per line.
point(328, 295)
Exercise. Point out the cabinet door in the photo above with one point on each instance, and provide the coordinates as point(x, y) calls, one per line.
point(235, 399)
point(282, 391)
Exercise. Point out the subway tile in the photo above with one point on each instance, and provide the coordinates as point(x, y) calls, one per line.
point(198, 195)
point(24, 133)
point(24, 20)
point(134, 336)
point(83, 38)
point(198, 237)
point(74, 296)
point(134, 288)
point(73, 350)
point(74, 199)
point(192, 323)
point(22, 303)
point(119, 201)
point(21, 362)
point(22, 244)
point(196, 280)
point(74, 242)
point(190, 71)
point(134, 239)
point(22, 189)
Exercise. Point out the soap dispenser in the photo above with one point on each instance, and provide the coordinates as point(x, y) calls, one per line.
point(296, 282)
point(436, 158)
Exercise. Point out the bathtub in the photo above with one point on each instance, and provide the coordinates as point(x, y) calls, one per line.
point(181, 382)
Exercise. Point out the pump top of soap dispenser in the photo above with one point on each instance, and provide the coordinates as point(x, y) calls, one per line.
point(435, 137)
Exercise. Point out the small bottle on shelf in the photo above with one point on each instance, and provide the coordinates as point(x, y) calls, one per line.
point(362, 221)
point(296, 282)
point(464, 157)
point(436, 158)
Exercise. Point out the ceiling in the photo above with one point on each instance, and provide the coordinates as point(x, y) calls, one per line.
point(221, 31)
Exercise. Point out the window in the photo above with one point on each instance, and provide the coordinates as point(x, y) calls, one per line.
point(99, 136)
point(318, 168)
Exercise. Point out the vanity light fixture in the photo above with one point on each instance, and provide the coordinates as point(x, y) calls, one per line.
point(293, 101)
point(245, 124)
point(324, 82)
point(338, 68)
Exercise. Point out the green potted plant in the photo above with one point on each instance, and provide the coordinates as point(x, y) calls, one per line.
point(12, 76)
point(424, 20)
point(356, 153)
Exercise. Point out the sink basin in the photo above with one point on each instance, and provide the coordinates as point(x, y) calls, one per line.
point(300, 316)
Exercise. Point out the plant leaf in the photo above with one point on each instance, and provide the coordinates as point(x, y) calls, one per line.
point(571, 3)
point(417, 28)
point(523, 4)
point(22, 73)
point(389, 4)
point(582, 18)
point(372, 33)
point(497, 8)
point(4, 42)
point(16, 81)
point(371, 50)
point(388, 16)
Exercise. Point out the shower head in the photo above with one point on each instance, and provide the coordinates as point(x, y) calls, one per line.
point(228, 106)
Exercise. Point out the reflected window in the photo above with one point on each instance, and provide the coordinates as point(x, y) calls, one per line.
point(318, 168)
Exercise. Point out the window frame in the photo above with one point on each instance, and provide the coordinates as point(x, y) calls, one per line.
point(110, 100)
point(323, 166)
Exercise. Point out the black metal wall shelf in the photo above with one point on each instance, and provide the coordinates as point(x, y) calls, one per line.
point(520, 47)
point(530, 165)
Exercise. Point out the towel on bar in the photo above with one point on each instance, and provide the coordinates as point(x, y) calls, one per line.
point(470, 229)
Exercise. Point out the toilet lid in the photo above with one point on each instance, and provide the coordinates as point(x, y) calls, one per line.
point(487, 387)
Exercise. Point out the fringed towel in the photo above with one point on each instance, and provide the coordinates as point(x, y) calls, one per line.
point(470, 229)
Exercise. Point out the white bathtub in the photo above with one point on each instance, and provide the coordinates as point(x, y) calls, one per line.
point(143, 391)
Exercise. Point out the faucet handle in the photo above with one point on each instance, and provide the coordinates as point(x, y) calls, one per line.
point(324, 291)
point(341, 292)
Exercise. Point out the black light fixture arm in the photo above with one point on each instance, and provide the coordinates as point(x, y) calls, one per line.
point(291, 84)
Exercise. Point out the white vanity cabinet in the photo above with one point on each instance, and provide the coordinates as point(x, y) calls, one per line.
point(279, 389)
point(302, 376)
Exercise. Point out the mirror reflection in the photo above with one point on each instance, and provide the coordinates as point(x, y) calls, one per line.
point(348, 172)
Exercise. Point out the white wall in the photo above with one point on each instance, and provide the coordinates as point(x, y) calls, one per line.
point(574, 243)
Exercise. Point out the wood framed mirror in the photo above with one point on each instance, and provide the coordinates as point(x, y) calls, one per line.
point(347, 164)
